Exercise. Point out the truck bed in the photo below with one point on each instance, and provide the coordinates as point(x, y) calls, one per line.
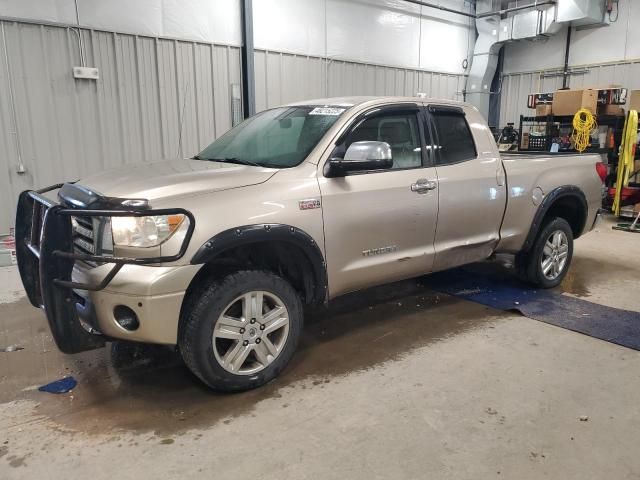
point(532, 176)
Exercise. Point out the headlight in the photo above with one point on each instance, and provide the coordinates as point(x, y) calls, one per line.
point(144, 231)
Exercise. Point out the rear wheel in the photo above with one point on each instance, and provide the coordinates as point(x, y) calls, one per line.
point(242, 330)
point(548, 261)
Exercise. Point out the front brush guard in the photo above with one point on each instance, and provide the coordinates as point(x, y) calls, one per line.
point(45, 255)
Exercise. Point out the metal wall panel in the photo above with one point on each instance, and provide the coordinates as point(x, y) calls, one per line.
point(385, 32)
point(516, 86)
point(286, 77)
point(156, 99)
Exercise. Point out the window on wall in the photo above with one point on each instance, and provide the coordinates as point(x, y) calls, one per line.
point(399, 130)
point(455, 142)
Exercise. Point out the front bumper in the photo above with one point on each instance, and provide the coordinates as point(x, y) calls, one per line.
point(46, 260)
point(154, 294)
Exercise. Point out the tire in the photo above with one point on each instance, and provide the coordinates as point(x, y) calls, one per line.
point(228, 350)
point(556, 256)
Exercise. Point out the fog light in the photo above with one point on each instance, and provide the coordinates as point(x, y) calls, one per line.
point(126, 318)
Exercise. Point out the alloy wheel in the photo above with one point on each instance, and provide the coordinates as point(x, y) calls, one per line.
point(251, 332)
point(554, 255)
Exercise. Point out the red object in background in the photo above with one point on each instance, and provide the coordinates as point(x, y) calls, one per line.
point(8, 242)
point(628, 196)
point(602, 170)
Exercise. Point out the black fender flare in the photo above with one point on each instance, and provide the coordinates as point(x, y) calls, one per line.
point(270, 232)
point(548, 201)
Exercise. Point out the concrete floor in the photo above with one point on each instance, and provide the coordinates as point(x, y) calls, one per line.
point(395, 382)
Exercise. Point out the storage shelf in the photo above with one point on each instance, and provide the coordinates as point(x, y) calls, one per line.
point(551, 126)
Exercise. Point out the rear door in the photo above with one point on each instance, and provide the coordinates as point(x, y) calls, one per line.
point(380, 225)
point(471, 186)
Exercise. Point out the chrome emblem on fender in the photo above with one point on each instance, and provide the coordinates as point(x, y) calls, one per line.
point(309, 204)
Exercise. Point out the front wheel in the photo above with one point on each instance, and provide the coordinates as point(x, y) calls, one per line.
point(547, 263)
point(242, 330)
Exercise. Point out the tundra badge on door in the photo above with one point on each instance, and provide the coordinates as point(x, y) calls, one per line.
point(309, 204)
point(379, 251)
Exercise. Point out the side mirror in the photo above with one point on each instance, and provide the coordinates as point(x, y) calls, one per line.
point(361, 156)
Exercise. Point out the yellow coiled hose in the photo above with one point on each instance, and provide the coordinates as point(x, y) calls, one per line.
point(583, 124)
point(625, 161)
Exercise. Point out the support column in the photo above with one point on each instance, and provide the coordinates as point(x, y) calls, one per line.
point(248, 70)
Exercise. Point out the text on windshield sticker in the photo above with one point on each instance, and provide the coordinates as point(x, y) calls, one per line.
point(326, 111)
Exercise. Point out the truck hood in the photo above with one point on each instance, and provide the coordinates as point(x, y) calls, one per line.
point(174, 178)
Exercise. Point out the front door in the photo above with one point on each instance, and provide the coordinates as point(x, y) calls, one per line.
point(380, 225)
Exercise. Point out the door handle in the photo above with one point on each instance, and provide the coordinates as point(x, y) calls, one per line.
point(423, 185)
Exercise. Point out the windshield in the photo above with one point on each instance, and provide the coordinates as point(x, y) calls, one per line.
point(280, 138)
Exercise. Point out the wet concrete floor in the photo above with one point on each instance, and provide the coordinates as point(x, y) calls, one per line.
point(128, 394)
point(147, 388)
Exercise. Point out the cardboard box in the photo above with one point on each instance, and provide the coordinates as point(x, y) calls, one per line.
point(634, 102)
point(568, 102)
point(636, 167)
point(614, 110)
point(543, 110)
point(610, 94)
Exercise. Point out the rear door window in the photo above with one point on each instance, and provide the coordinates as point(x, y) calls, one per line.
point(454, 139)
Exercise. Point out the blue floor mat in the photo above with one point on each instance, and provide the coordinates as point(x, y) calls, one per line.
point(63, 385)
point(613, 325)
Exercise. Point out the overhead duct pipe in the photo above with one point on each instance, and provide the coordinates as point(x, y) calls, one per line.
point(485, 56)
point(504, 11)
point(486, 14)
point(440, 7)
point(545, 18)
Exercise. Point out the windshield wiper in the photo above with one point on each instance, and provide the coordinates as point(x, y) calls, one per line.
point(235, 160)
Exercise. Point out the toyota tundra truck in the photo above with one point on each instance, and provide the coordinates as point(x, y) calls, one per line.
point(219, 254)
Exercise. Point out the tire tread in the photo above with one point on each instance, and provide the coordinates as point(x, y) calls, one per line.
point(526, 263)
point(195, 314)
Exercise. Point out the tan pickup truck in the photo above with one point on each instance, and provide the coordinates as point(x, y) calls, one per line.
point(218, 254)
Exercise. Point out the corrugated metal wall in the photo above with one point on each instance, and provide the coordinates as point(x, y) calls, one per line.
point(516, 86)
point(69, 128)
point(285, 77)
point(156, 98)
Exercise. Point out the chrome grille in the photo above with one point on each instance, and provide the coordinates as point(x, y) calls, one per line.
point(83, 235)
point(37, 219)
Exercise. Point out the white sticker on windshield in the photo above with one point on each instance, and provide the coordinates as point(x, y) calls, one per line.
point(326, 111)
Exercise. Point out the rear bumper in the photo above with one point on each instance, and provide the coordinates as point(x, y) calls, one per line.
point(46, 260)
